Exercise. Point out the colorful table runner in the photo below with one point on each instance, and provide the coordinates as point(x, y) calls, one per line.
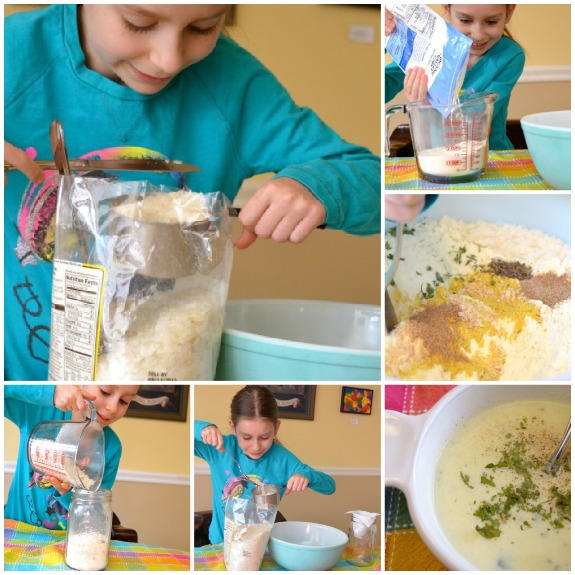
point(506, 170)
point(404, 550)
point(211, 558)
point(31, 548)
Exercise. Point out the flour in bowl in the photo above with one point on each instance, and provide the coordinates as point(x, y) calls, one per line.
point(479, 301)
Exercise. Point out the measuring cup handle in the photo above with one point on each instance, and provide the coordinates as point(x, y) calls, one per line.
point(90, 410)
point(388, 112)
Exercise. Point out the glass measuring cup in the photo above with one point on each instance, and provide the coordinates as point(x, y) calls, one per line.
point(72, 451)
point(450, 143)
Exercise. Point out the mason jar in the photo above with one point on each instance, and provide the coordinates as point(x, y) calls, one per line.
point(89, 530)
point(361, 544)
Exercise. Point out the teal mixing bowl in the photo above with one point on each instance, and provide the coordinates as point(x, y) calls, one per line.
point(548, 137)
point(300, 340)
point(302, 546)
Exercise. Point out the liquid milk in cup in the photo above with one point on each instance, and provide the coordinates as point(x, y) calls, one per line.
point(72, 451)
point(451, 142)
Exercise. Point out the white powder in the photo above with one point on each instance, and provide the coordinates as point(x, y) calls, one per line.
point(174, 336)
point(182, 207)
point(87, 551)
point(48, 456)
point(439, 250)
point(442, 161)
point(245, 545)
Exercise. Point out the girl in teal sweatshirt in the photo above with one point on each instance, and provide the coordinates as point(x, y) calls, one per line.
point(43, 500)
point(137, 81)
point(254, 423)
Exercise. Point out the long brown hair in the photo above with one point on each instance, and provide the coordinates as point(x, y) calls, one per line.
point(254, 401)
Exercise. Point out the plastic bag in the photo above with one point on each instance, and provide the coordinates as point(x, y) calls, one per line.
point(424, 39)
point(140, 282)
point(248, 525)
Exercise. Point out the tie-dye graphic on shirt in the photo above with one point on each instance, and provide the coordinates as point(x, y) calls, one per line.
point(37, 214)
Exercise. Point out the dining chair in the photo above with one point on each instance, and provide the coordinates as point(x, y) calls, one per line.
point(122, 533)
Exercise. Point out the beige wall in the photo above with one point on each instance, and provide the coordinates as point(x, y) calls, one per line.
point(306, 46)
point(330, 440)
point(546, 45)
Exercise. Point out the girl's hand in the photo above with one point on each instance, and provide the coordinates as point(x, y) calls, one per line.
point(403, 207)
point(283, 210)
point(60, 486)
point(415, 84)
point(211, 435)
point(71, 398)
point(20, 160)
point(296, 483)
point(389, 22)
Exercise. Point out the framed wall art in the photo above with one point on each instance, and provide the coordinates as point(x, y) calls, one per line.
point(294, 401)
point(167, 402)
point(356, 400)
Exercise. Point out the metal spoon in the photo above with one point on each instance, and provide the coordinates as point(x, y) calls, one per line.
point(254, 481)
point(553, 463)
point(390, 316)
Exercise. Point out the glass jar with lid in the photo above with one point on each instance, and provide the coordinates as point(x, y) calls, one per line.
point(89, 530)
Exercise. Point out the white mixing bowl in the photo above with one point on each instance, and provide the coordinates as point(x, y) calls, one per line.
point(413, 446)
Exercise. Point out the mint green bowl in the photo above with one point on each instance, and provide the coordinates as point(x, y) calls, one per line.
point(548, 137)
point(300, 340)
point(303, 546)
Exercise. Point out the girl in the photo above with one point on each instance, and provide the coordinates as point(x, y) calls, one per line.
point(158, 81)
point(253, 444)
point(44, 500)
point(495, 64)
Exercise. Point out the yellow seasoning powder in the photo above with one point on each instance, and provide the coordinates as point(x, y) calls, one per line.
point(461, 327)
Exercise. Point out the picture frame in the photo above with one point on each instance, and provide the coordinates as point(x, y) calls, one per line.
point(164, 402)
point(295, 401)
point(356, 400)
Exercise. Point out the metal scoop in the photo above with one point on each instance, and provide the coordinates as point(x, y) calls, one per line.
point(554, 462)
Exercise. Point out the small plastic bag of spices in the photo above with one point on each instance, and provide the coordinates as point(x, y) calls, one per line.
point(140, 281)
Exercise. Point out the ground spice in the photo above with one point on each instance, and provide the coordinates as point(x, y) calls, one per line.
point(515, 269)
point(547, 288)
point(454, 325)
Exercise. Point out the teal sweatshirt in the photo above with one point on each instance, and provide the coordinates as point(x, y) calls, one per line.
point(226, 114)
point(275, 467)
point(497, 71)
point(27, 405)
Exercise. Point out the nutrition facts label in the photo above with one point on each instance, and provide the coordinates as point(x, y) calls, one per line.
point(77, 293)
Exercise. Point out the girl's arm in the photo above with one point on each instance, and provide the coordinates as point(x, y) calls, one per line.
point(28, 403)
point(208, 440)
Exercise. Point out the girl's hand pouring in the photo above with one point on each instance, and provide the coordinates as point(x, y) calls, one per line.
point(415, 84)
point(389, 22)
point(71, 398)
point(211, 435)
point(60, 486)
point(296, 483)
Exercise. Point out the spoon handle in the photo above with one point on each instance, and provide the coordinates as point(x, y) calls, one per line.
point(553, 462)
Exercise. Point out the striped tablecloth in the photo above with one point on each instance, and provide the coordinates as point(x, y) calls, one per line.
point(211, 558)
point(506, 170)
point(404, 550)
point(31, 548)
